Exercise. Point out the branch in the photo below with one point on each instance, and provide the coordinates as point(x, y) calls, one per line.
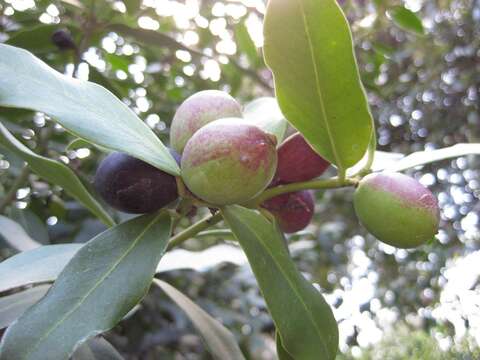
point(193, 230)
point(332, 183)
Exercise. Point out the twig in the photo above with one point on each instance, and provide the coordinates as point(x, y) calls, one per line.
point(193, 230)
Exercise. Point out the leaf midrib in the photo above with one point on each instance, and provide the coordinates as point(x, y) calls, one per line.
point(96, 285)
point(318, 88)
point(290, 284)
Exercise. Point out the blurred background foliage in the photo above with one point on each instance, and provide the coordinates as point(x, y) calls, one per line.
point(420, 64)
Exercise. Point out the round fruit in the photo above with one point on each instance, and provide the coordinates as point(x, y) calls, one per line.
point(134, 186)
point(229, 161)
point(199, 110)
point(293, 211)
point(397, 209)
point(63, 39)
point(298, 162)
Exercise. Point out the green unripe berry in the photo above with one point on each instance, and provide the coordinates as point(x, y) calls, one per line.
point(397, 209)
point(197, 111)
point(229, 161)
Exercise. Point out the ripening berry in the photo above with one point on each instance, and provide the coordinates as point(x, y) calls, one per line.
point(199, 110)
point(229, 161)
point(293, 211)
point(298, 162)
point(134, 186)
point(397, 209)
point(62, 38)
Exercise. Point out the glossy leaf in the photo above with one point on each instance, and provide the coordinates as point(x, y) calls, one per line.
point(55, 172)
point(308, 46)
point(381, 160)
point(84, 108)
point(13, 306)
point(266, 114)
point(220, 341)
point(406, 19)
point(35, 266)
point(47, 262)
point(15, 235)
point(96, 349)
point(281, 352)
point(105, 279)
point(303, 318)
point(421, 158)
point(80, 143)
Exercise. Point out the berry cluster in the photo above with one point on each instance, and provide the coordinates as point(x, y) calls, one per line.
point(225, 160)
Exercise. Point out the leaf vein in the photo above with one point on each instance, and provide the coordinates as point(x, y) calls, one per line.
point(318, 87)
point(96, 285)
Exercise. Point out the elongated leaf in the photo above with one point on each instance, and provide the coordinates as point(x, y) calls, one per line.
point(55, 172)
point(151, 37)
point(47, 262)
point(15, 236)
point(304, 320)
point(35, 266)
point(220, 341)
point(281, 352)
point(80, 143)
point(246, 44)
point(37, 39)
point(98, 287)
point(132, 6)
point(308, 46)
point(96, 349)
point(427, 157)
point(381, 160)
point(31, 223)
point(265, 113)
point(406, 19)
point(13, 306)
point(84, 108)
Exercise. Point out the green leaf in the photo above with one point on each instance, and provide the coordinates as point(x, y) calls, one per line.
point(110, 84)
point(55, 172)
point(105, 279)
point(308, 46)
point(80, 143)
point(406, 19)
point(15, 236)
point(421, 158)
point(220, 341)
point(266, 114)
point(37, 39)
point(381, 160)
point(151, 37)
point(245, 43)
point(85, 109)
point(31, 223)
point(304, 320)
point(132, 6)
point(117, 62)
point(44, 264)
point(13, 306)
point(35, 266)
point(281, 352)
point(96, 349)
